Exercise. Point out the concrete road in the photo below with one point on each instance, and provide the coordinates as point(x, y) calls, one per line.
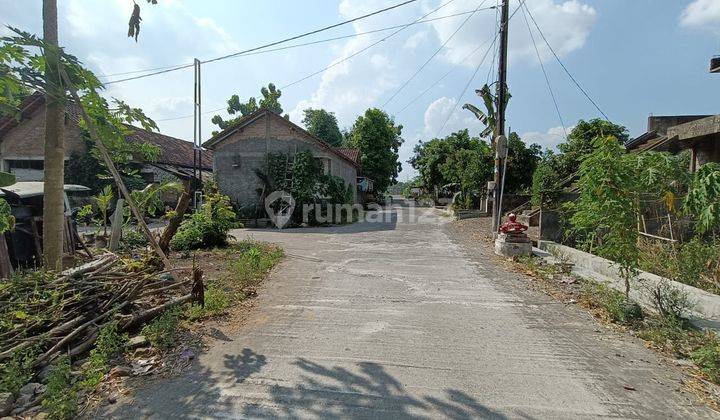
point(396, 320)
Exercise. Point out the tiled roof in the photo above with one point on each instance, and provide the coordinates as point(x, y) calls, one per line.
point(252, 117)
point(28, 105)
point(174, 151)
point(352, 154)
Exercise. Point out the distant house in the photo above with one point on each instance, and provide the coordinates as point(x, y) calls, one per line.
point(22, 145)
point(241, 150)
point(698, 133)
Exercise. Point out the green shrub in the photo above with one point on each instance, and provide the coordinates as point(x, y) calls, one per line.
point(546, 184)
point(677, 338)
point(253, 261)
point(162, 331)
point(707, 357)
point(695, 262)
point(60, 398)
point(618, 308)
point(217, 301)
point(207, 228)
point(17, 371)
point(132, 239)
point(109, 345)
point(670, 302)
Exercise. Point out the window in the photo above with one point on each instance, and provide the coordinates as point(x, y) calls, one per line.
point(26, 164)
point(324, 164)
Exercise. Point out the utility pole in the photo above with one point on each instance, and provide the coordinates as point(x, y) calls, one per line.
point(54, 173)
point(500, 141)
point(197, 138)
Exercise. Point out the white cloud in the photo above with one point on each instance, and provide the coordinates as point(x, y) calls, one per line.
point(549, 139)
point(416, 39)
point(702, 14)
point(565, 24)
point(437, 113)
point(352, 86)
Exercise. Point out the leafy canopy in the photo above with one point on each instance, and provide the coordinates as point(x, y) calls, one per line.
point(581, 141)
point(324, 125)
point(270, 100)
point(378, 138)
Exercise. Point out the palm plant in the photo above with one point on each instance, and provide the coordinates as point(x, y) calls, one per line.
point(103, 201)
point(488, 118)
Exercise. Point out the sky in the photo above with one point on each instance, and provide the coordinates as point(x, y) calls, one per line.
point(634, 58)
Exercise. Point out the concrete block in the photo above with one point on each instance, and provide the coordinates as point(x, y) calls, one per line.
point(512, 249)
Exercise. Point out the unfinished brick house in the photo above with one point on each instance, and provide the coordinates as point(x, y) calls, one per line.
point(241, 150)
point(22, 145)
point(698, 133)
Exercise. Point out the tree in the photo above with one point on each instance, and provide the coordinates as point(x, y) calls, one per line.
point(703, 198)
point(613, 183)
point(53, 200)
point(270, 100)
point(21, 67)
point(605, 215)
point(581, 140)
point(546, 181)
point(323, 125)
point(521, 163)
point(379, 140)
point(457, 158)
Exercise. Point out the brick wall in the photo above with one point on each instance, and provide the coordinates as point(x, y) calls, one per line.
point(236, 158)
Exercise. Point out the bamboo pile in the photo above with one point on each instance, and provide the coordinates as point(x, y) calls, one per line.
point(64, 314)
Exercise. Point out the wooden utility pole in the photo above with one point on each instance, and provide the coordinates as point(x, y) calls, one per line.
point(54, 169)
point(500, 120)
point(197, 137)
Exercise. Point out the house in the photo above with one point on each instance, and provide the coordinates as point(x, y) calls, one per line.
point(698, 133)
point(240, 151)
point(22, 145)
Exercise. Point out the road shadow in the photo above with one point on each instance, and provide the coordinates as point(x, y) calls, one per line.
point(372, 221)
point(336, 392)
point(320, 391)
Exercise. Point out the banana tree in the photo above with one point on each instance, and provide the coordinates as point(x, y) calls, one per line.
point(488, 118)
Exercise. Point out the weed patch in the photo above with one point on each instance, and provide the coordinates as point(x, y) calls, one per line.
point(162, 331)
point(17, 371)
point(217, 302)
point(60, 398)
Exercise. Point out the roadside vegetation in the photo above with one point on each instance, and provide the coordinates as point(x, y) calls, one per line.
point(665, 328)
point(68, 385)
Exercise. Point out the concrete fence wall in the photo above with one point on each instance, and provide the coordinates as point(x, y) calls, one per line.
point(706, 313)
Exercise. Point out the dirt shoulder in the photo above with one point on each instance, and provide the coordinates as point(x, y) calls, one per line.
point(633, 376)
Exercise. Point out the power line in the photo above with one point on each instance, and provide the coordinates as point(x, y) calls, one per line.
point(364, 49)
point(272, 44)
point(495, 53)
point(467, 85)
point(437, 51)
point(343, 37)
point(464, 59)
point(563, 65)
point(452, 111)
point(547, 79)
point(372, 31)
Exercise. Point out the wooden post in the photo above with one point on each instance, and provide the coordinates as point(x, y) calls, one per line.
point(6, 268)
point(95, 136)
point(117, 223)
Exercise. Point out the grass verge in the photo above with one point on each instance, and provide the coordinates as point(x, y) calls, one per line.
point(672, 336)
